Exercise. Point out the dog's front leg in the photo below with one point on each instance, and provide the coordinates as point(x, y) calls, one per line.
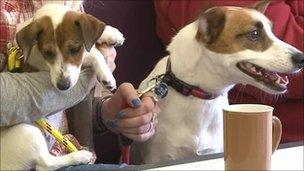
point(95, 59)
point(111, 36)
point(50, 162)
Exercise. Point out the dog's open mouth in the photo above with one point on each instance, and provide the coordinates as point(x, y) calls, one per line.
point(270, 79)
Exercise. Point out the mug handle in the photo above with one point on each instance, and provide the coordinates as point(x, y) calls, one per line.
point(276, 133)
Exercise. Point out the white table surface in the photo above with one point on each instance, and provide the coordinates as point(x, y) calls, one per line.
point(282, 159)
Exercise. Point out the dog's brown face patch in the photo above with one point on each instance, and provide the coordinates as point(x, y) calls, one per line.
point(240, 32)
point(41, 32)
point(76, 32)
point(66, 43)
point(46, 40)
point(69, 39)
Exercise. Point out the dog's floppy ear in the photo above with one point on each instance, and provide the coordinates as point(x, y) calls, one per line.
point(27, 37)
point(91, 29)
point(260, 6)
point(210, 25)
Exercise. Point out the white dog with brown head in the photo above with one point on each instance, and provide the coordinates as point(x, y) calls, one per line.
point(64, 40)
point(60, 40)
point(223, 47)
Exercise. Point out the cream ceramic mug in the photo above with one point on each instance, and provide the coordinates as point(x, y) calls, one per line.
point(251, 135)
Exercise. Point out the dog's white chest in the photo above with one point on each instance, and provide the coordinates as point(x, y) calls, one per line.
point(187, 127)
point(196, 122)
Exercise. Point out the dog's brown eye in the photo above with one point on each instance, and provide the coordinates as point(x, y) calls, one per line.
point(48, 53)
point(253, 35)
point(74, 51)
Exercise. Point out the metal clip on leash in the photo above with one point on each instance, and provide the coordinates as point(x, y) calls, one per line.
point(160, 89)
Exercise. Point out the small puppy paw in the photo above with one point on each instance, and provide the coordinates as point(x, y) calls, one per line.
point(111, 36)
point(83, 157)
point(110, 85)
point(109, 82)
point(106, 78)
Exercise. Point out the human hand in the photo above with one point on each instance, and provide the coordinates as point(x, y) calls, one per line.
point(125, 113)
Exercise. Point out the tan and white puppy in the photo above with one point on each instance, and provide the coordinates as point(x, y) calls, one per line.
point(223, 47)
point(62, 41)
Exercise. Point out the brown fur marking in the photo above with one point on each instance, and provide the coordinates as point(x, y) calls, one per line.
point(46, 39)
point(234, 36)
point(69, 39)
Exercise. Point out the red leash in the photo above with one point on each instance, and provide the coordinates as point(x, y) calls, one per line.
point(125, 154)
point(161, 90)
point(125, 144)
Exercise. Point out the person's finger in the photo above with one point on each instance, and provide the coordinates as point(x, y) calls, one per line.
point(135, 121)
point(150, 95)
point(129, 94)
point(146, 107)
point(156, 110)
point(140, 137)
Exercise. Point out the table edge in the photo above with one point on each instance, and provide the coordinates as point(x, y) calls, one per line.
point(198, 158)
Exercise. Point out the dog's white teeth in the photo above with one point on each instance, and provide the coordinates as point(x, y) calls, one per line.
point(242, 65)
point(284, 80)
point(253, 69)
point(259, 73)
point(248, 65)
point(278, 81)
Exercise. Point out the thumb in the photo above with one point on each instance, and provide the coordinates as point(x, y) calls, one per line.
point(129, 95)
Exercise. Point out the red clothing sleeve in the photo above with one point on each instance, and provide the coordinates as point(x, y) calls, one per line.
point(287, 16)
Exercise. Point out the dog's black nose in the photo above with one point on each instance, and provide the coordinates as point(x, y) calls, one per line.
point(63, 83)
point(298, 60)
